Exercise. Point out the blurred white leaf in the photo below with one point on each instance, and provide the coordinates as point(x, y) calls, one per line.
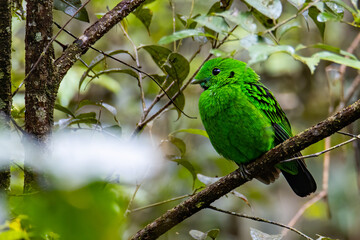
point(258, 235)
point(207, 180)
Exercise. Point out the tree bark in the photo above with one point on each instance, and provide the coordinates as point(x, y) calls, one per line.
point(5, 80)
point(223, 186)
point(39, 95)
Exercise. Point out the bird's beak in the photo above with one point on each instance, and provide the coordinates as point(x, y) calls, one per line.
point(197, 81)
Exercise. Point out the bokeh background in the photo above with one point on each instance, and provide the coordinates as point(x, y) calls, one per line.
point(306, 97)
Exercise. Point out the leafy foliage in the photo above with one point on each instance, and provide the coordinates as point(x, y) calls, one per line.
point(289, 43)
point(70, 7)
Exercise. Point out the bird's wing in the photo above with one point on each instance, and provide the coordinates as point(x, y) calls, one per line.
point(263, 99)
point(295, 172)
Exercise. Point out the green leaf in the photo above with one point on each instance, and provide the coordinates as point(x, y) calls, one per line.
point(88, 121)
point(334, 49)
point(158, 54)
point(179, 143)
point(297, 3)
point(86, 115)
point(327, 16)
point(332, 57)
point(184, 34)
point(177, 71)
point(108, 82)
point(96, 210)
point(334, 7)
point(85, 102)
point(175, 66)
point(17, 113)
point(347, 7)
point(186, 164)
point(309, 61)
point(64, 110)
point(220, 6)
point(179, 67)
point(145, 16)
point(198, 235)
point(213, 233)
point(286, 28)
point(270, 8)
point(98, 60)
point(259, 235)
point(313, 13)
point(106, 106)
point(214, 23)
point(244, 19)
point(261, 52)
point(313, 61)
point(182, 19)
point(111, 70)
point(86, 118)
point(70, 7)
point(192, 131)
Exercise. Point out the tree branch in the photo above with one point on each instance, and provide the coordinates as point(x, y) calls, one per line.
point(90, 36)
point(223, 186)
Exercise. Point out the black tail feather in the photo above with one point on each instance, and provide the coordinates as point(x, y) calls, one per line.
point(302, 183)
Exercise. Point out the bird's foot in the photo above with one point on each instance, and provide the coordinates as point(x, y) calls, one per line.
point(244, 172)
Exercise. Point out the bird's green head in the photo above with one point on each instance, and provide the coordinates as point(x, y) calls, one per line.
point(220, 71)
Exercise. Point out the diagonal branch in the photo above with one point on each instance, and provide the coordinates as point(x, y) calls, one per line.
point(223, 186)
point(90, 36)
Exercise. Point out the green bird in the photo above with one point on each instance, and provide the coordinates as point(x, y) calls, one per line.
point(244, 120)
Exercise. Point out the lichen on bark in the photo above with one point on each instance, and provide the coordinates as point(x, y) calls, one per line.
point(39, 95)
point(5, 80)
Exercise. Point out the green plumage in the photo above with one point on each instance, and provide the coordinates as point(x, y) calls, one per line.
point(244, 120)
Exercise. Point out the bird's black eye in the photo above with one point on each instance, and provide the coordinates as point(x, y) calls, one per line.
point(215, 71)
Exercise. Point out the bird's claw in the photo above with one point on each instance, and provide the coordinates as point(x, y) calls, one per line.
point(244, 172)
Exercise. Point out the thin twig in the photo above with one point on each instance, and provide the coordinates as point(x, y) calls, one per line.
point(352, 89)
point(142, 95)
point(132, 200)
point(260, 220)
point(172, 5)
point(326, 169)
point(187, 23)
point(343, 67)
point(301, 211)
point(48, 46)
point(160, 203)
point(324, 151)
point(17, 125)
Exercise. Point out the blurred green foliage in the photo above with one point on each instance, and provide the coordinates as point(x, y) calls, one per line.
point(296, 47)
